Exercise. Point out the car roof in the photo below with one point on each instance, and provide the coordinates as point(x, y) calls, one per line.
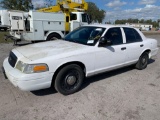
point(108, 25)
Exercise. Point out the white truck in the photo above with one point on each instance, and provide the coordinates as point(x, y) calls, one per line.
point(4, 20)
point(40, 26)
point(48, 23)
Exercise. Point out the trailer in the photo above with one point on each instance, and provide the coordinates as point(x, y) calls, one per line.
point(4, 20)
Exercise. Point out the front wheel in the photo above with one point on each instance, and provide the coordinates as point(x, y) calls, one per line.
point(143, 61)
point(69, 79)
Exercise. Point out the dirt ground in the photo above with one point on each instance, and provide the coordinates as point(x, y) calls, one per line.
point(124, 94)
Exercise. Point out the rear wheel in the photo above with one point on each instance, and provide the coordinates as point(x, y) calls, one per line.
point(5, 29)
point(143, 61)
point(69, 79)
point(53, 36)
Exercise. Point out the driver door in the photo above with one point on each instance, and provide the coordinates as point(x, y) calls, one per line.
point(113, 56)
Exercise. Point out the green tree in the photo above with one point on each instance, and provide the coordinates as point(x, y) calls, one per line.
point(149, 21)
point(142, 21)
point(38, 7)
point(155, 24)
point(48, 3)
point(24, 5)
point(97, 14)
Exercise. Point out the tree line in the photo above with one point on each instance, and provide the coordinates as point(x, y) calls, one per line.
point(142, 21)
point(25, 5)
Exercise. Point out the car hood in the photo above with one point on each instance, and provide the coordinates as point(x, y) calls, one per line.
point(45, 49)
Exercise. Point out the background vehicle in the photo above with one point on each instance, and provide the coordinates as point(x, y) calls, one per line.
point(4, 20)
point(40, 26)
point(86, 51)
point(49, 23)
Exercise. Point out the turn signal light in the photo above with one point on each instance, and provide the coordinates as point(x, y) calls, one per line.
point(40, 68)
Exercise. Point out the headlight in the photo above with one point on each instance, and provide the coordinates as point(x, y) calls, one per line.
point(31, 68)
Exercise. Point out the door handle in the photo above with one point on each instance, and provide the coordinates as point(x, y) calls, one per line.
point(123, 48)
point(141, 45)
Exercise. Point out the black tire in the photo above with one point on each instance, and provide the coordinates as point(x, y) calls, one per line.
point(143, 61)
point(35, 41)
point(53, 36)
point(5, 29)
point(69, 79)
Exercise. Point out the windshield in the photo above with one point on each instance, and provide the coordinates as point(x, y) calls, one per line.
point(85, 35)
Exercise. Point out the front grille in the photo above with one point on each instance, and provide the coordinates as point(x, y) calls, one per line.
point(12, 59)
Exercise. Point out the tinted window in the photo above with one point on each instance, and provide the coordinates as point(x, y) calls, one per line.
point(73, 16)
point(115, 35)
point(132, 35)
point(84, 18)
point(137, 35)
point(16, 18)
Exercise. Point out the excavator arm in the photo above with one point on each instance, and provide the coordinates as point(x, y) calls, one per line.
point(67, 5)
point(56, 8)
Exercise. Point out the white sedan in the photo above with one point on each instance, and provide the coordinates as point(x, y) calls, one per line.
point(87, 51)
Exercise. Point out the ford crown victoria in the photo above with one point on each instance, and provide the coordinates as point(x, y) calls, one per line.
point(88, 50)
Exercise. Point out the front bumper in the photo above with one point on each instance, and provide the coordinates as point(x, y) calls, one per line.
point(27, 82)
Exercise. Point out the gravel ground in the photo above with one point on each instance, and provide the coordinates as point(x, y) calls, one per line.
point(124, 94)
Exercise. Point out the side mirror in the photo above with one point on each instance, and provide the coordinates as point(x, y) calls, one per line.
point(104, 42)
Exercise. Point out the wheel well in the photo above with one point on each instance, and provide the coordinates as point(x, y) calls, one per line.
point(54, 33)
point(69, 63)
point(147, 51)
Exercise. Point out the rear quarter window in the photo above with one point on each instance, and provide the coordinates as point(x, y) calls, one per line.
point(132, 35)
point(137, 35)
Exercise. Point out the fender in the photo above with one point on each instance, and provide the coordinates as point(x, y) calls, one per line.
point(147, 49)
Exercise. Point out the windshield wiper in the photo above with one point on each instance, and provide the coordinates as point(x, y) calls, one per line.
point(74, 41)
point(70, 40)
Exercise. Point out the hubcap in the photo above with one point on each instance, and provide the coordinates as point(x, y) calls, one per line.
point(143, 60)
point(53, 38)
point(71, 80)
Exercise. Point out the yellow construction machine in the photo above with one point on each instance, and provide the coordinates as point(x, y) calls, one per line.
point(67, 6)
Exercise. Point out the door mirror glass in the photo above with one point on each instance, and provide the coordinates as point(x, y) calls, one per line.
point(104, 42)
point(114, 35)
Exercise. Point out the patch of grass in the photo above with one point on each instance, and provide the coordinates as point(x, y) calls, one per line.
point(2, 33)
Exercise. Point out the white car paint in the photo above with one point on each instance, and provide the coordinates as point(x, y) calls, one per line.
point(57, 53)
